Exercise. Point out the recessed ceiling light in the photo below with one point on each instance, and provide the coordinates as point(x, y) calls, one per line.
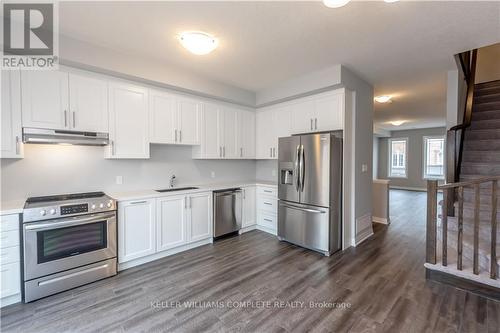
point(397, 122)
point(391, 1)
point(335, 3)
point(383, 99)
point(199, 43)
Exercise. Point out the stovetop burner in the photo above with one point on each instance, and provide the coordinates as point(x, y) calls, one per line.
point(63, 197)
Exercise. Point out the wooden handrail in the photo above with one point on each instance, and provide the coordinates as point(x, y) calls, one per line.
point(431, 233)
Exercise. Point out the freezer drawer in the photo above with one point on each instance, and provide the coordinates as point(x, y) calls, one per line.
point(307, 226)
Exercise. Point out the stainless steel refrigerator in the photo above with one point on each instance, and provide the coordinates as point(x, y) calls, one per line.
point(310, 191)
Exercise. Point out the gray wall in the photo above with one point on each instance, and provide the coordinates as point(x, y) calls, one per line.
point(415, 156)
point(56, 169)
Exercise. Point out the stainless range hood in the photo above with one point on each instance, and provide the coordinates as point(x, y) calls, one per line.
point(48, 136)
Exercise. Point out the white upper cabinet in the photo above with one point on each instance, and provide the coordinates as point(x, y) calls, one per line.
point(303, 114)
point(61, 100)
point(88, 98)
point(200, 216)
point(272, 123)
point(163, 126)
point(330, 111)
point(322, 112)
point(246, 134)
point(188, 121)
point(128, 121)
point(11, 131)
point(45, 99)
point(229, 146)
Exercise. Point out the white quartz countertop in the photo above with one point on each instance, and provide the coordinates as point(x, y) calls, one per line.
point(12, 207)
point(151, 193)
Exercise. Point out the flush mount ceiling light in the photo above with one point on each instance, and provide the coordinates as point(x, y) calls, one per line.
point(198, 43)
point(383, 99)
point(391, 1)
point(397, 122)
point(335, 3)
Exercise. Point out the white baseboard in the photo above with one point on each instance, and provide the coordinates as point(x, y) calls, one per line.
point(381, 220)
point(162, 254)
point(266, 229)
point(10, 300)
point(247, 229)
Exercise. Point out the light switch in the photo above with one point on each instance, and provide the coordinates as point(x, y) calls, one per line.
point(119, 180)
point(364, 167)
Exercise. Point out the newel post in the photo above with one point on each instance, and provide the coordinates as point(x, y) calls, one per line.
point(431, 230)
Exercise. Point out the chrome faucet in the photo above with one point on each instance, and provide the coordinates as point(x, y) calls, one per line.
point(172, 180)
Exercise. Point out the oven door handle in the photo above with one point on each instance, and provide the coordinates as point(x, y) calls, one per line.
point(62, 224)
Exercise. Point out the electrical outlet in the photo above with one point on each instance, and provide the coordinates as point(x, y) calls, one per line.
point(364, 167)
point(119, 180)
point(212, 174)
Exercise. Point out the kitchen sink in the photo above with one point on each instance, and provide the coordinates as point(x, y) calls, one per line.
point(177, 189)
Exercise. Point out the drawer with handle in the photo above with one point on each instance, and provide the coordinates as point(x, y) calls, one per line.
point(9, 255)
point(268, 191)
point(267, 204)
point(10, 276)
point(267, 221)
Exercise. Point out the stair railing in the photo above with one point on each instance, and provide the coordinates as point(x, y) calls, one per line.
point(456, 135)
point(432, 215)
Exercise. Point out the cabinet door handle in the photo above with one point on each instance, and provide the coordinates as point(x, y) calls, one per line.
point(268, 203)
point(175, 134)
point(185, 202)
point(271, 152)
point(268, 220)
point(112, 147)
point(244, 194)
point(220, 151)
point(65, 118)
point(180, 135)
point(268, 191)
point(311, 124)
point(224, 151)
point(17, 145)
point(241, 152)
point(74, 119)
point(138, 202)
point(274, 152)
point(316, 123)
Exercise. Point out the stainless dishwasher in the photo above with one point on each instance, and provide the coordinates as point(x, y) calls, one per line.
point(227, 211)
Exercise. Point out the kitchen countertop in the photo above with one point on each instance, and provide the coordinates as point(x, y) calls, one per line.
point(151, 193)
point(12, 207)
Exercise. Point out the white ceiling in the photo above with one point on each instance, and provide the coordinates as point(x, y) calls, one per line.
point(404, 49)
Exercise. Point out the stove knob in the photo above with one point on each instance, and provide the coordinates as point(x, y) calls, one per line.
point(43, 212)
point(109, 205)
point(53, 211)
point(93, 206)
point(101, 205)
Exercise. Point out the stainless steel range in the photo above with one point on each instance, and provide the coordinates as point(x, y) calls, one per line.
point(68, 240)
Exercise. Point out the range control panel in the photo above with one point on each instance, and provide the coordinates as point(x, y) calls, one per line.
point(74, 209)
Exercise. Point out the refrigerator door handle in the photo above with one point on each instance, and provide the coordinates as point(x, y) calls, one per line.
point(296, 169)
point(301, 168)
point(309, 210)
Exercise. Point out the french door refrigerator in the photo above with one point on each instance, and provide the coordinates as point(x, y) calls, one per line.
point(310, 191)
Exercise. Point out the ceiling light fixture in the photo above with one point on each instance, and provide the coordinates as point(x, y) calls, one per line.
point(391, 1)
point(335, 3)
point(198, 43)
point(383, 99)
point(397, 122)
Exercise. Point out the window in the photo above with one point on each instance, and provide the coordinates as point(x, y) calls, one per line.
point(434, 157)
point(397, 153)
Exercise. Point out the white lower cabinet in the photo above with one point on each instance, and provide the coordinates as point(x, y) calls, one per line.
point(10, 262)
point(154, 228)
point(171, 222)
point(248, 218)
point(267, 209)
point(136, 229)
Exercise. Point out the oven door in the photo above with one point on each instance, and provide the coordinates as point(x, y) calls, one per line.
point(62, 244)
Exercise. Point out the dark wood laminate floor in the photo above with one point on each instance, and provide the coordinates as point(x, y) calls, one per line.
point(382, 280)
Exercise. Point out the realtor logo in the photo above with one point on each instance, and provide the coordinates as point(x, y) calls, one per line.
point(29, 36)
